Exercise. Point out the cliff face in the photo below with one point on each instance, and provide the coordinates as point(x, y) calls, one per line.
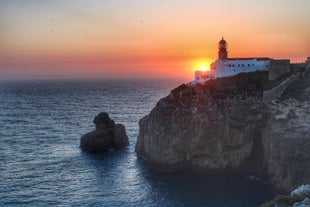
point(224, 126)
point(289, 139)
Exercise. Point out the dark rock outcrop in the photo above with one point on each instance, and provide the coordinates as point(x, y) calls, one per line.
point(120, 138)
point(225, 126)
point(107, 134)
point(300, 197)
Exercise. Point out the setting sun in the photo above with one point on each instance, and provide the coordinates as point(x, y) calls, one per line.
point(202, 64)
point(76, 39)
point(204, 68)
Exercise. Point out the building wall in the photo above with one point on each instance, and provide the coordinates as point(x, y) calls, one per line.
point(235, 66)
point(278, 68)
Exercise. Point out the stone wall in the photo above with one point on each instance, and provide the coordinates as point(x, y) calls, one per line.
point(278, 68)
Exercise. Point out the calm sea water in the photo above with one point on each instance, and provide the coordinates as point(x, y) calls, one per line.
point(41, 163)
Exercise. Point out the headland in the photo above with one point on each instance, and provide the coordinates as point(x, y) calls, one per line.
point(252, 122)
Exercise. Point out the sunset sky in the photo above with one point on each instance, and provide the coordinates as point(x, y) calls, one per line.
point(143, 38)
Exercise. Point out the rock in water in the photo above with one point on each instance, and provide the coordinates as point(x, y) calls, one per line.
point(120, 138)
point(301, 192)
point(103, 121)
point(226, 126)
point(107, 134)
point(298, 198)
point(96, 141)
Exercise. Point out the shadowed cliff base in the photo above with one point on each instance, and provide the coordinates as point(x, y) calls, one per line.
point(228, 125)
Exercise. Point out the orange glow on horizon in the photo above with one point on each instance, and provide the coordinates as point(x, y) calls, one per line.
point(202, 64)
point(130, 39)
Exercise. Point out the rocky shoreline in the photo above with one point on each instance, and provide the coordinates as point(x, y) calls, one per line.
point(300, 197)
point(228, 125)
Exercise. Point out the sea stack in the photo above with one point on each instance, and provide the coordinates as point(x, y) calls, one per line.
point(106, 135)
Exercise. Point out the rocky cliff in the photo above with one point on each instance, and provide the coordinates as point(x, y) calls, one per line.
point(226, 126)
point(289, 138)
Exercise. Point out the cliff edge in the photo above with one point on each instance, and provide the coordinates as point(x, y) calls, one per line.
point(228, 125)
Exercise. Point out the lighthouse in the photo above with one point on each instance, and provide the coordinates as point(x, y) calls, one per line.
point(222, 53)
point(224, 66)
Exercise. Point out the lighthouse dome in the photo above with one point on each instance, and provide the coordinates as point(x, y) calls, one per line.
point(223, 44)
point(222, 41)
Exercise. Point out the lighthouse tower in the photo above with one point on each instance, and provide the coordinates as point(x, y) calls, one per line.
point(222, 50)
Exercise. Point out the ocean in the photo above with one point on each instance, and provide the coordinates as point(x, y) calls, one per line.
point(41, 164)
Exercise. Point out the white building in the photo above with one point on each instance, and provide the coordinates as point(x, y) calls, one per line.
point(225, 66)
